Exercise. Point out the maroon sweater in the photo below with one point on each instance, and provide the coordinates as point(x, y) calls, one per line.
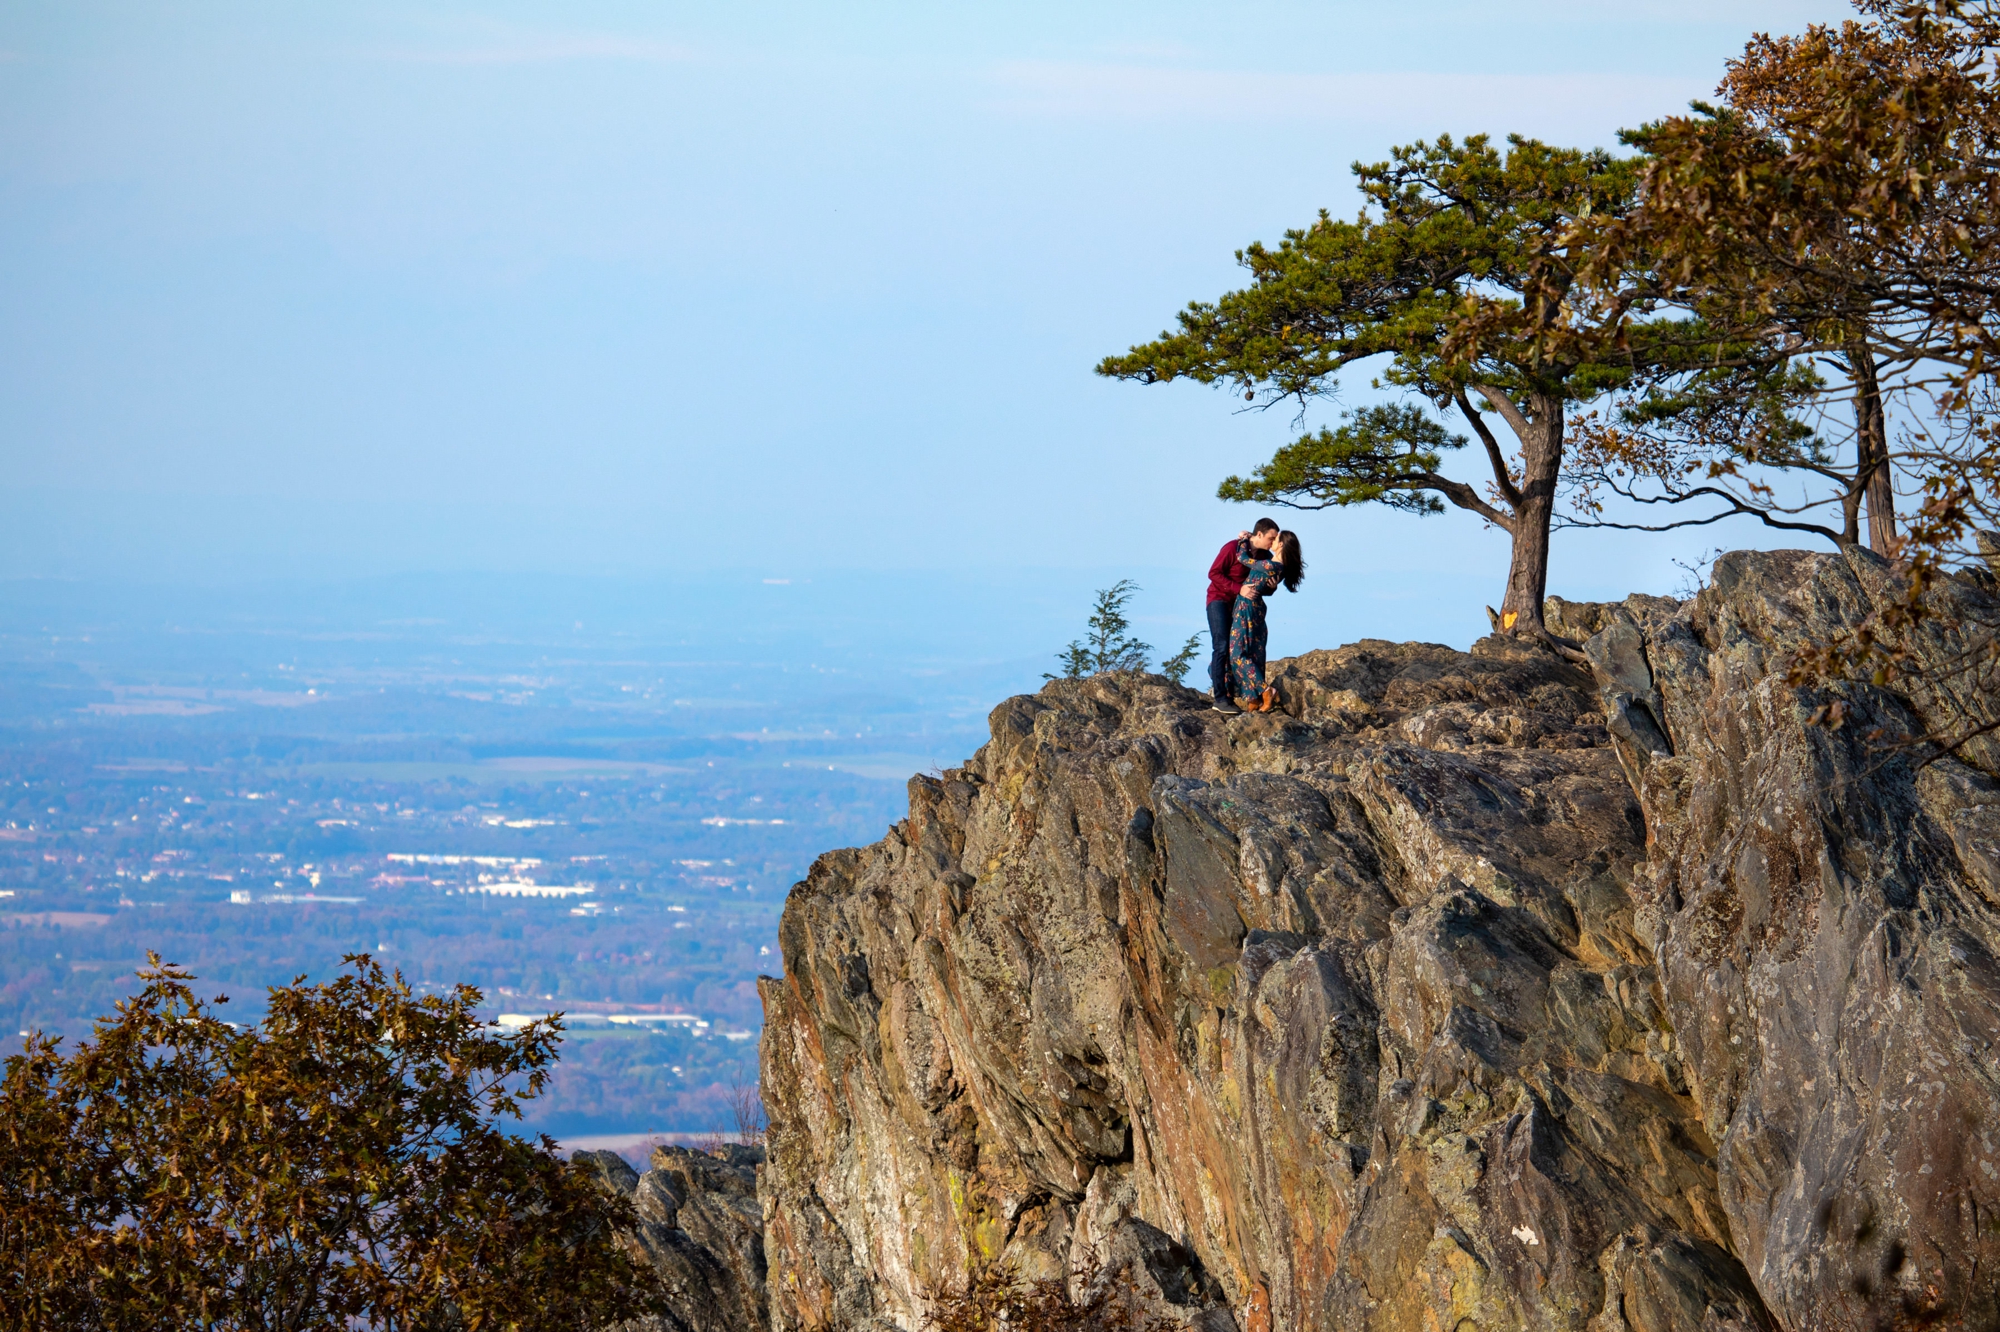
point(1225, 576)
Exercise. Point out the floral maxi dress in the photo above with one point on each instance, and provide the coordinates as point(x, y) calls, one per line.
point(1247, 633)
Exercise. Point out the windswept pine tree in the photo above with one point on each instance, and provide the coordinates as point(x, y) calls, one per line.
point(1457, 281)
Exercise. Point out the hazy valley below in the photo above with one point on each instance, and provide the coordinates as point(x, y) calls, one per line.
point(574, 796)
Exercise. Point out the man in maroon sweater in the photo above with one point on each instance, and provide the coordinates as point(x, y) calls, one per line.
point(1225, 580)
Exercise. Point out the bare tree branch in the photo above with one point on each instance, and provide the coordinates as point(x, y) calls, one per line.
point(1505, 406)
point(1737, 509)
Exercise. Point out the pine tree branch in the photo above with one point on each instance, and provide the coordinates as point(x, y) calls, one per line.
point(1464, 496)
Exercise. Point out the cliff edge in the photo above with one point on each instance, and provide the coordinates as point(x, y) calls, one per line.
point(1473, 990)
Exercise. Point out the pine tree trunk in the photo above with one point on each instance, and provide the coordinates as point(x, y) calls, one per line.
point(1528, 570)
point(1871, 439)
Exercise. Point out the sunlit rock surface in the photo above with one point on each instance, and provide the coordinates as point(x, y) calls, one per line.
point(1473, 991)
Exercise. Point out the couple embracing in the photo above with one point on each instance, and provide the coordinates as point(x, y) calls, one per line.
point(1245, 572)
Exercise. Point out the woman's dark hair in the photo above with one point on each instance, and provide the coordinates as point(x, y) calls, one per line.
point(1293, 567)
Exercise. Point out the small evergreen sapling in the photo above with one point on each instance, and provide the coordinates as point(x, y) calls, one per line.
point(1109, 647)
point(1175, 668)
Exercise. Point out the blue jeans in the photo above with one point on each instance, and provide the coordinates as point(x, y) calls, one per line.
point(1220, 614)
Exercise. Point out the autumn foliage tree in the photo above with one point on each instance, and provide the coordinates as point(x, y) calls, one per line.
point(1794, 265)
point(340, 1164)
point(1458, 283)
point(1762, 424)
point(1845, 194)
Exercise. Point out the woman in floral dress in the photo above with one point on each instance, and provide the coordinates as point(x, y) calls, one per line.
point(1247, 632)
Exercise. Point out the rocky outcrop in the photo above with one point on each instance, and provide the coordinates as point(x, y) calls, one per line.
point(1826, 924)
point(1473, 990)
point(701, 1227)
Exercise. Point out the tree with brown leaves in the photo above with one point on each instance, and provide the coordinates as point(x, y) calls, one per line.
point(1843, 203)
point(340, 1164)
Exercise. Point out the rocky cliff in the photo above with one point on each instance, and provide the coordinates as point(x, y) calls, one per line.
point(1472, 991)
point(702, 1229)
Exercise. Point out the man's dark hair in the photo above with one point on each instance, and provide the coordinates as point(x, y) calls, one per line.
point(1264, 525)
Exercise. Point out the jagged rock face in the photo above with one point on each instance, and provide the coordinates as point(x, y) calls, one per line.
point(1826, 925)
point(1348, 1001)
point(701, 1227)
point(1400, 1010)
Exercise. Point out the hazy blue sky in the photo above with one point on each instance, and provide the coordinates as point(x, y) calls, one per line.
point(346, 289)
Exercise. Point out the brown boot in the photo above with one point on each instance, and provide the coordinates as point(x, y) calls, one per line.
point(1268, 700)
